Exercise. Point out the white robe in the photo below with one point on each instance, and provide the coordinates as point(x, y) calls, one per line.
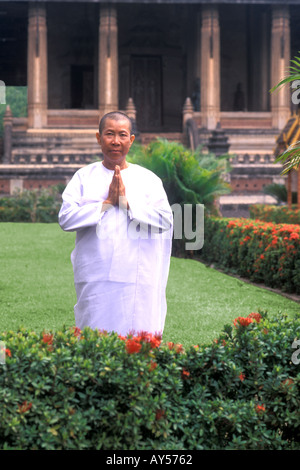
point(121, 258)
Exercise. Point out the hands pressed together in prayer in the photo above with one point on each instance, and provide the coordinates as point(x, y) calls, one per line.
point(116, 193)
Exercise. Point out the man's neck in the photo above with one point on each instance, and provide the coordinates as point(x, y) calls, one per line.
point(123, 165)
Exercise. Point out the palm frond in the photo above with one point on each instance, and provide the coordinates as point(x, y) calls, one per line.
point(290, 157)
point(289, 79)
point(293, 74)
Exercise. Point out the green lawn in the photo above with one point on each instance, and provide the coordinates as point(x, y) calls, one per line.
point(37, 291)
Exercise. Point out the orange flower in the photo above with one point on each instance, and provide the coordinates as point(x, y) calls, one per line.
point(185, 374)
point(152, 365)
point(7, 351)
point(24, 407)
point(133, 346)
point(178, 347)
point(242, 377)
point(155, 342)
point(77, 331)
point(256, 316)
point(242, 321)
point(260, 408)
point(48, 338)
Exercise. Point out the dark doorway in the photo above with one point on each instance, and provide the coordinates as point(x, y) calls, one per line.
point(82, 87)
point(146, 90)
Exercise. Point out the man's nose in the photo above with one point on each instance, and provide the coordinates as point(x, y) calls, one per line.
point(116, 139)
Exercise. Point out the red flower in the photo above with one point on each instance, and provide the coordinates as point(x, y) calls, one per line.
point(260, 408)
point(48, 338)
point(178, 347)
point(242, 377)
point(154, 340)
point(242, 321)
point(185, 374)
point(24, 407)
point(77, 331)
point(133, 346)
point(256, 316)
point(159, 414)
point(152, 365)
point(7, 351)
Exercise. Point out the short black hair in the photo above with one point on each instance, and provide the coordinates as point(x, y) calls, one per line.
point(115, 116)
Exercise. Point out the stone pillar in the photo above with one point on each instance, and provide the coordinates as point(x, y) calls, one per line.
point(108, 60)
point(130, 110)
point(264, 64)
point(210, 66)
point(37, 70)
point(188, 112)
point(7, 135)
point(280, 61)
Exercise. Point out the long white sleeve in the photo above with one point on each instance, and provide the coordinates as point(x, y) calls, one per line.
point(153, 212)
point(77, 212)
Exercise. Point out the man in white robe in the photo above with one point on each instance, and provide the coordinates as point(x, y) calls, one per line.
point(123, 225)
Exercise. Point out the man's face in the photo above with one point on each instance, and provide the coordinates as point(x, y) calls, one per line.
point(115, 140)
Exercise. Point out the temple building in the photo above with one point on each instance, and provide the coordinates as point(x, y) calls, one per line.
point(181, 69)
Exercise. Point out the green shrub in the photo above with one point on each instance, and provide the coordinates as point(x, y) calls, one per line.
point(275, 214)
point(40, 205)
point(93, 390)
point(189, 177)
point(16, 98)
point(261, 251)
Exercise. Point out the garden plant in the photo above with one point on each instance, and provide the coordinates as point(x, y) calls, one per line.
point(261, 251)
point(73, 389)
point(63, 388)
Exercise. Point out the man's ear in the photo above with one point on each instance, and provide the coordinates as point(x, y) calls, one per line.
point(98, 138)
point(132, 137)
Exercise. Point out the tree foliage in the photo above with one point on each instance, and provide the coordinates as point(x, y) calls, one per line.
point(16, 98)
point(291, 156)
point(189, 177)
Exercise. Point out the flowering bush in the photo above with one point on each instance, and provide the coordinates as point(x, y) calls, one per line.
point(261, 251)
point(275, 214)
point(87, 389)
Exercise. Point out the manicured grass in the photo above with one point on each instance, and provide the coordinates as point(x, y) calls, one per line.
point(37, 290)
point(202, 300)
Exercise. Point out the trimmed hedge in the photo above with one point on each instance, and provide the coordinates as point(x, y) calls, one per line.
point(261, 251)
point(275, 214)
point(93, 390)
